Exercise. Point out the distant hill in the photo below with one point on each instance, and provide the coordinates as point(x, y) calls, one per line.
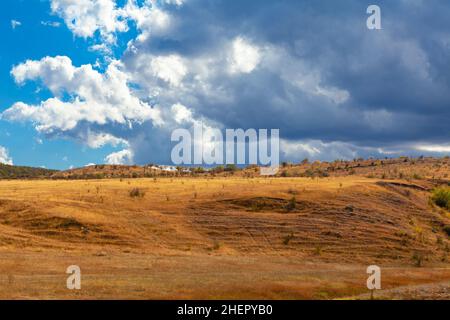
point(105, 171)
point(394, 168)
point(18, 172)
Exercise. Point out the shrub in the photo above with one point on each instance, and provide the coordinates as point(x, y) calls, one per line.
point(288, 239)
point(291, 204)
point(447, 230)
point(284, 174)
point(199, 170)
point(216, 246)
point(309, 173)
point(418, 259)
point(416, 176)
point(137, 193)
point(441, 197)
point(318, 251)
point(219, 169)
point(231, 168)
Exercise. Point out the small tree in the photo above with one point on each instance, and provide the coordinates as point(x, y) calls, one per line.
point(291, 204)
point(231, 168)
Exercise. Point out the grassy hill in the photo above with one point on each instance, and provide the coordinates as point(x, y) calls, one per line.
point(221, 237)
point(17, 172)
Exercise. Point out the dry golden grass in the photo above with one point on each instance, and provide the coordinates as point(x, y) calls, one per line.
point(227, 237)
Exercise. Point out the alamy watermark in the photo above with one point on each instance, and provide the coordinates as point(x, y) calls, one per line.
point(74, 280)
point(374, 20)
point(374, 279)
point(203, 145)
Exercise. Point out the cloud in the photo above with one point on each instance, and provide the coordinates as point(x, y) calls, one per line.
point(53, 24)
point(121, 157)
point(98, 140)
point(15, 24)
point(89, 18)
point(434, 148)
point(102, 48)
point(86, 17)
point(95, 98)
point(332, 87)
point(181, 113)
point(169, 68)
point(149, 18)
point(244, 57)
point(4, 157)
point(340, 84)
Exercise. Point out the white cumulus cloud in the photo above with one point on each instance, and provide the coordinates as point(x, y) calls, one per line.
point(169, 68)
point(85, 17)
point(96, 98)
point(120, 157)
point(244, 57)
point(4, 156)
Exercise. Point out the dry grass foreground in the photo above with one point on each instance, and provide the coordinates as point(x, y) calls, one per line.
point(211, 238)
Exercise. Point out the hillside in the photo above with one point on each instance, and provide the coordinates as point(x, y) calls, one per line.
point(18, 172)
point(395, 168)
point(221, 237)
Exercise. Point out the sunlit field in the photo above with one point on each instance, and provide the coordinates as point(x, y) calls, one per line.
point(222, 238)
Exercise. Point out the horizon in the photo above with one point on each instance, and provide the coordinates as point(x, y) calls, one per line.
point(239, 166)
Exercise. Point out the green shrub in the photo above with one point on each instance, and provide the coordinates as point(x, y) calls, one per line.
point(441, 197)
point(231, 168)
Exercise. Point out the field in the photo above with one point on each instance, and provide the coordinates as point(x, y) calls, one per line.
point(230, 237)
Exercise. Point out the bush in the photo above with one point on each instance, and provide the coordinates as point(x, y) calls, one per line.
point(137, 193)
point(441, 197)
point(418, 259)
point(288, 239)
point(284, 174)
point(219, 169)
point(291, 204)
point(447, 230)
point(231, 168)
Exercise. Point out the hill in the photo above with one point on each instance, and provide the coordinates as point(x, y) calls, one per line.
point(394, 168)
point(221, 237)
point(18, 172)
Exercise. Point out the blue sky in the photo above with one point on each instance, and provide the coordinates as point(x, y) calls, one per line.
point(107, 81)
point(33, 40)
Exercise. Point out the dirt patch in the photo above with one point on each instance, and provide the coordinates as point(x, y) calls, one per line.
point(267, 204)
point(403, 185)
point(31, 218)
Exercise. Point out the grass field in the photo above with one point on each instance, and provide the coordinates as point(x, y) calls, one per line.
point(222, 237)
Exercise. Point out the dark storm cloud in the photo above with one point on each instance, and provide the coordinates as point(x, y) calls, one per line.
point(397, 78)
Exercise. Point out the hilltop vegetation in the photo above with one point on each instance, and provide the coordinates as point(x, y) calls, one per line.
point(405, 168)
point(394, 168)
point(18, 172)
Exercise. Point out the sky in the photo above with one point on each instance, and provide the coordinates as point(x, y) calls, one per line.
point(104, 81)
